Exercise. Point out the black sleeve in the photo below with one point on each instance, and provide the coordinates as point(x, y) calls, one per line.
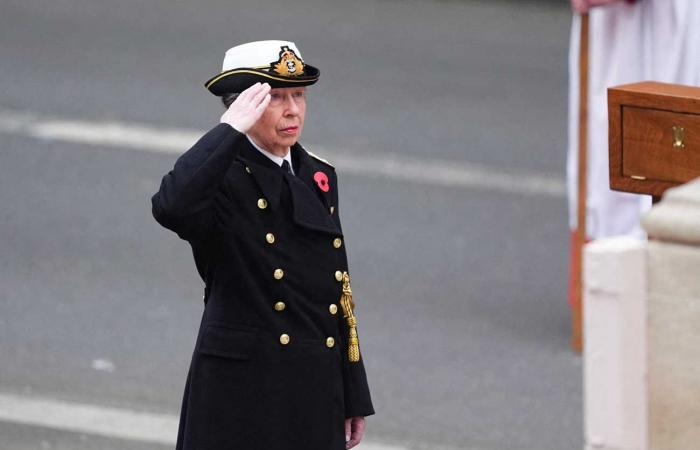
point(358, 402)
point(184, 201)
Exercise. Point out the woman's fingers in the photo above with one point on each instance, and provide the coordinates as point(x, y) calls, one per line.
point(245, 111)
point(248, 92)
point(348, 429)
point(263, 104)
point(260, 95)
point(358, 430)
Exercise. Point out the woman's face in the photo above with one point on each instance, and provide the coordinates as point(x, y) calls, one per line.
point(280, 125)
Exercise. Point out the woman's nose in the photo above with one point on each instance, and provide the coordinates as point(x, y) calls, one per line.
point(292, 107)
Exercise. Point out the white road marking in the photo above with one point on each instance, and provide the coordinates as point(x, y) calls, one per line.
point(103, 365)
point(92, 419)
point(118, 423)
point(390, 166)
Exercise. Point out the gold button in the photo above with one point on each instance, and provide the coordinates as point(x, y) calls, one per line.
point(247, 169)
point(262, 203)
point(279, 273)
point(279, 306)
point(330, 342)
point(332, 209)
point(337, 242)
point(270, 238)
point(339, 275)
point(284, 339)
point(333, 308)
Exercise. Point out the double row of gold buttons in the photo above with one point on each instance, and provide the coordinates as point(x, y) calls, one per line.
point(278, 274)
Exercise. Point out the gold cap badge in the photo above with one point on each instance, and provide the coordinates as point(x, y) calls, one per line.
point(288, 64)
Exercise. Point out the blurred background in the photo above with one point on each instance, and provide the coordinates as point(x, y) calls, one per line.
point(446, 120)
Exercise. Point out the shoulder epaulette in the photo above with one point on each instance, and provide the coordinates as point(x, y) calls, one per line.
point(315, 156)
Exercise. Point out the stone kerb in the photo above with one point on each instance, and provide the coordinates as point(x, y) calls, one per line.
point(615, 388)
point(673, 321)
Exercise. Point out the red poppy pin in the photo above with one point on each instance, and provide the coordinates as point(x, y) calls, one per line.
point(321, 180)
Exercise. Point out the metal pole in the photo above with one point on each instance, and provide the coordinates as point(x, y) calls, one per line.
point(580, 236)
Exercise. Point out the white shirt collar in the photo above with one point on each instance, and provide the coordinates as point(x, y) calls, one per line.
point(277, 159)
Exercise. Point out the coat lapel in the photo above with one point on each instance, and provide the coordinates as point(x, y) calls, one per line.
point(307, 167)
point(267, 174)
point(309, 203)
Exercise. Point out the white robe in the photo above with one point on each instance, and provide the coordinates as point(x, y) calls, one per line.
point(650, 40)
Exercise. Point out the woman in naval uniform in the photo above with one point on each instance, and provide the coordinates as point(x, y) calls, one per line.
point(276, 364)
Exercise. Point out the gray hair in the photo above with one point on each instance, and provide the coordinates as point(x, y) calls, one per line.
point(227, 99)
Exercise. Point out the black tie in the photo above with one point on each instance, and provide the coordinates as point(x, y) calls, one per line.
point(286, 167)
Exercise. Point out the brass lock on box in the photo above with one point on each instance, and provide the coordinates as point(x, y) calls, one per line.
point(678, 138)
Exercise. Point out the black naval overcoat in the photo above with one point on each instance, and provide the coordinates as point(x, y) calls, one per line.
point(270, 369)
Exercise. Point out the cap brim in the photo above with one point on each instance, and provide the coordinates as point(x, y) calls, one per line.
point(237, 80)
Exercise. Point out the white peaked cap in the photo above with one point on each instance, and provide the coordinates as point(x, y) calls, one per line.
point(256, 54)
point(278, 63)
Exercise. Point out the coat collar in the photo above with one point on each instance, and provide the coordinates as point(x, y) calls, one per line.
point(307, 167)
point(309, 204)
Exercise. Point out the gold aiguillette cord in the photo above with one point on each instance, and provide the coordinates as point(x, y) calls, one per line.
point(348, 306)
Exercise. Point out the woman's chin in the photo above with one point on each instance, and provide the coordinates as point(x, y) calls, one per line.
point(288, 141)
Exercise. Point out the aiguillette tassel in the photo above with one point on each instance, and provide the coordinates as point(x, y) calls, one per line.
point(348, 306)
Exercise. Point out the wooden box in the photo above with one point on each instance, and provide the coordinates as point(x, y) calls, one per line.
point(654, 136)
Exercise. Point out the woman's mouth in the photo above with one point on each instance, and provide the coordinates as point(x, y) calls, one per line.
point(290, 130)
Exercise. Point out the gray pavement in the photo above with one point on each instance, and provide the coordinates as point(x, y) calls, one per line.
point(461, 293)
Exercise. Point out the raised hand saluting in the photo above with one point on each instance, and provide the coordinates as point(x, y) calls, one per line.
point(248, 107)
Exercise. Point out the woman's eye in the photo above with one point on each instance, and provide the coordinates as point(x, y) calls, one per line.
point(298, 94)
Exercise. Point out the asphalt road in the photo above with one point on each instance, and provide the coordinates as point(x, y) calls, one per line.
point(461, 292)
